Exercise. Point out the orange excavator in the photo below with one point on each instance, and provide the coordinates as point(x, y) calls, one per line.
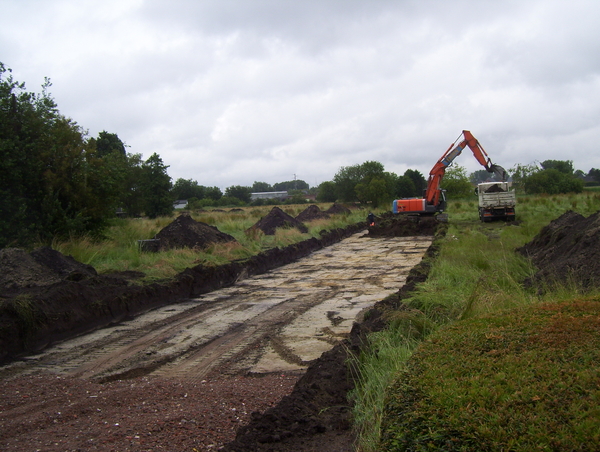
point(435, 199)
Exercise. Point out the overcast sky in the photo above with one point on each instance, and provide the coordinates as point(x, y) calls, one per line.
point(229, 92)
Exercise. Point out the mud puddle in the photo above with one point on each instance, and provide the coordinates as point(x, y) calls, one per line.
point(278, 321)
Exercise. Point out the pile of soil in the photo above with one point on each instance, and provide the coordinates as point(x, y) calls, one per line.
point(494, 189)
point(277, 218)
point(404, 225)
point(315, 416)
point(42, 267)
point(312, 212)
point(185, 232)
point(567, 250)
point(337, 209)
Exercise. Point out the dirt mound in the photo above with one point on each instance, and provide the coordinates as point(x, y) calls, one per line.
point(312, 212)
point(42, 267)
point(277, 218)
point(401, 226)
point(496, 188)
point(315, 416)
point(568, 250)
point(185, 232)
point(337, 209)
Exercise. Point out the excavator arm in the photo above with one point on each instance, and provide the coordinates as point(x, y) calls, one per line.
point(432, 193)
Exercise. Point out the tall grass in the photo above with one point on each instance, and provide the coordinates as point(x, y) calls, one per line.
point(476, 273)
point(119, 250)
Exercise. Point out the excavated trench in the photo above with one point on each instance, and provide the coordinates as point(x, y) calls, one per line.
point(281, 320)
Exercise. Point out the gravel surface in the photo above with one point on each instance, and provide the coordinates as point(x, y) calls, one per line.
point(53, 413)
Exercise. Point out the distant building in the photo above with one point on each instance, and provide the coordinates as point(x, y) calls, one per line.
point(269, 195)
point(180, 204)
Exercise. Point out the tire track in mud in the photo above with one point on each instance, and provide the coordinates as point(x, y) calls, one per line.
point(278, 321)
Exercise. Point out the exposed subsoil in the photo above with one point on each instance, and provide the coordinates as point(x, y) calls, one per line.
point(566, 250)
point(42, 412)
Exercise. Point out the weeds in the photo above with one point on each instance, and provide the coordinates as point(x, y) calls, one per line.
point(478, 382)
point(119, 249)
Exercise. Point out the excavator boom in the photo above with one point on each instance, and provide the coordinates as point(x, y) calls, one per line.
point(433, 202)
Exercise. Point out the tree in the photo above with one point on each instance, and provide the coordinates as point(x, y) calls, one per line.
point(259, 187)
point(520, 173)
point(107, 143)
point(213, 193)
point(594, 174)
point(52, 180)
point(156, 187)
point(375, 191)
point(326, 192)
point(563, 166)
point(239, 192)
point(456, 183)
point(132, 196)
point(187, 188)
point(348, 177)
point(290, 185)
point(419, 182)
point(553, 181)
point(405, 187)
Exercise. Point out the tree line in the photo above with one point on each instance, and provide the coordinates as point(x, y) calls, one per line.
point(55, 181)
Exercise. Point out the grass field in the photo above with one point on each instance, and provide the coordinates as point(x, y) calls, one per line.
point(119, 249)
point(478, 362)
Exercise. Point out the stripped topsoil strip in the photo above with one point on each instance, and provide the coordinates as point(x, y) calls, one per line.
point(317, 414)
point(41, 304)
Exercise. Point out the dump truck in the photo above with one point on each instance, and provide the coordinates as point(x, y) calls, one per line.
point(496, 201)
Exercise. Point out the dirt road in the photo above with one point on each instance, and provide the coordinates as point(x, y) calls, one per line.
point(278, 321)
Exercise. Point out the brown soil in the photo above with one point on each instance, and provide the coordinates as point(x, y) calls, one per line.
point(42, 267)
point(277, 218)
point(54, 413)
point(185, 232)
point(312, 212)
point(337, 209)
point(567, 250)
point(398, 226)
